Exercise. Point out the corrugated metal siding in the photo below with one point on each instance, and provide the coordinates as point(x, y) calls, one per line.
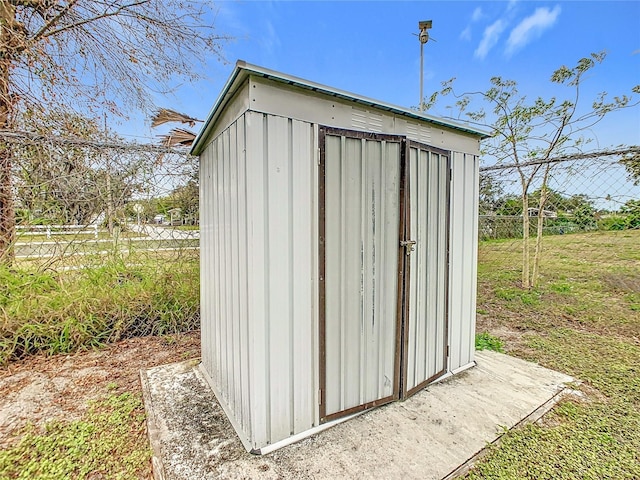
point(362, 223)
point(463, 259)
point(429, 208)
point(282, 251)
point(223, 224)
point(258, 257)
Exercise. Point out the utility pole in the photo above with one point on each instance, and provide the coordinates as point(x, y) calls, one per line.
point(423, 36)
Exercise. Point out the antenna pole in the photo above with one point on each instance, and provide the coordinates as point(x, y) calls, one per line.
point(421, 75)
point(423, 36)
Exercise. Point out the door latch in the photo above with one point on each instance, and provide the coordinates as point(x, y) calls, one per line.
point(409, 245)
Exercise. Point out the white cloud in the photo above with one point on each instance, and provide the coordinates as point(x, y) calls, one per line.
point(466, 34)
point(270, 38)
point(490, 38)
point(477, 14)
point(531, 28)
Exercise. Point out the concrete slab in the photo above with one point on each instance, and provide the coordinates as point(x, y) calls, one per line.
point(433, 435)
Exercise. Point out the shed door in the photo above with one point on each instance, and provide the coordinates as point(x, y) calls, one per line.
point(426, 294)
point(361, 180)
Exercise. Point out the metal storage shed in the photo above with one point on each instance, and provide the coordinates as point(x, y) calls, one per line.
point(338, 253)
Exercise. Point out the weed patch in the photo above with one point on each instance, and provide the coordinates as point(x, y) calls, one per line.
point(610, 365)
point(108, 442)
point(63, 312)
point(486, 341)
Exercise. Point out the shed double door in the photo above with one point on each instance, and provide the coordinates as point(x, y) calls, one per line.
point(383, 268)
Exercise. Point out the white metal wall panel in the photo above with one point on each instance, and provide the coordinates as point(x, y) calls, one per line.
point(206, 259)
point(281, 196)
point(429, 210)
point(280, 99)
point(224, 269)
point(463, 259)
point(362, 179)
point(418, 132)
point(258, 256)
point(234, 109)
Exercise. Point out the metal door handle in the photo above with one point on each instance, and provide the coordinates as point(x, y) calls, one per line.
point(409, 245)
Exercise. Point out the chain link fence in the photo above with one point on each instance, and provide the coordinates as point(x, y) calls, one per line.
point(106, 244)
point(76, 201)
point(577, 195)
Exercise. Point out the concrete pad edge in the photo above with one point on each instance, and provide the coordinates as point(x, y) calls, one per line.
point(152, 429)
point(533, 417)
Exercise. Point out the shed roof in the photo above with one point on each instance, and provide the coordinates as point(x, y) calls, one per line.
point(243, 70)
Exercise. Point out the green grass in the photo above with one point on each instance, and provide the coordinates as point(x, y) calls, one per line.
point(186, 227)
point(73, 237)
point(486, 341)
point(583, 319)
point(109, 441)
point(51, 313)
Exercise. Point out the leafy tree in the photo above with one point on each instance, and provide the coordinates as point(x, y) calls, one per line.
point(185, 198)
point(67, 183)
point(529, 133)
point(584, 216)
point(632, 163)
point(555, 200)
point(581, 209)
point(631, 209)
point(88, 53)
point(509, 205)
point(490, 191)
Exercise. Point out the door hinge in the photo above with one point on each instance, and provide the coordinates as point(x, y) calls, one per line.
point(319, 397)
point(447, 351)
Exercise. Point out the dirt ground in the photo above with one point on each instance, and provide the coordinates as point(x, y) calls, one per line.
point(40, 389)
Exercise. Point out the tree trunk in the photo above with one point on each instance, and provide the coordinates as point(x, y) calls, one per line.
point(544, 194)
point(7, 213)
point(525, 240)
point(538, 251)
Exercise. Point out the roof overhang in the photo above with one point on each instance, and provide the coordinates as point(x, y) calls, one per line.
point(243, 70)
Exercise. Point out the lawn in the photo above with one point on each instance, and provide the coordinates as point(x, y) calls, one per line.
point(584, 320)
point(70, 399)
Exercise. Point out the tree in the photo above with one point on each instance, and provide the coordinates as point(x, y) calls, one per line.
point(581, 208)
point(509, 205)
point(85, 54)
point(69, 183)
point(529, 134)
point(490, 191)
point(632, 163)
point(631, 210)
point(555, 200)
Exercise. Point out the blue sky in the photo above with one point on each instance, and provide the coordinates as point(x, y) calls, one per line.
point(369, 48)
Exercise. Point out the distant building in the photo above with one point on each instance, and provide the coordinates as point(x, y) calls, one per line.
point(534, 212)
